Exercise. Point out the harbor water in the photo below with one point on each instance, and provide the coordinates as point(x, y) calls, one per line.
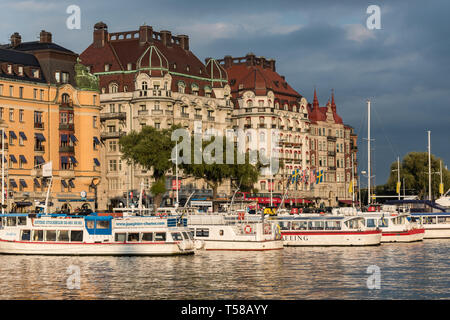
point(418, 270)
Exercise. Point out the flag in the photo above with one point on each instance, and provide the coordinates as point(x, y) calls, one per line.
point(350, 187)
point(47, 169)
point(398, 187)
point(319, 177)
point(441, 188)
point(313, 176)
point(295, 175)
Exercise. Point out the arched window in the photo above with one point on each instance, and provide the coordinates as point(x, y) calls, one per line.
point(113, 87)
point(65, 98)
point(181, 87)
point(249, 103)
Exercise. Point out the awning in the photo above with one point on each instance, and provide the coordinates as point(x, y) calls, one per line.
point(12, 135)
point(349, 202)
point(96, 141)
point(64, 183)
point(36, 183)
point(64, 160)
point(97, 163)
point(23, 183)
point(39, 159)
point(13, 158)
point(71, 184)
point(23, 159)
point(12, 183)
point(73, 138)
point(40, 136)
point(64, 138)
point(23, 203)
point(22, 134)
point(73, 160)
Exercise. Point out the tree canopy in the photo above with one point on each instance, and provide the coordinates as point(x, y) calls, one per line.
point(414, 169)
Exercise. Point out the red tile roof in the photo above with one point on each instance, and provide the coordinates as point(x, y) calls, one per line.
point(317, 113)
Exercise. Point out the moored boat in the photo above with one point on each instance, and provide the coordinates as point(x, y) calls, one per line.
point(326, 230)
point(436, 224)
point(231, 232)
point(93, 235)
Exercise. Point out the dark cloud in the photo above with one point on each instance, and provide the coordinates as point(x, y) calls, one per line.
point(403, 68)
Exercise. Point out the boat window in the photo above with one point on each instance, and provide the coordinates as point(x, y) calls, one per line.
point(443, 219)
point(176, 236)
point(415, 219)
point(120, 237)
point(370, 223)
point(76, 236)
point(90, 224)
point(284, 225)
point(160, 236)
point(11, 221)
point(383, 223)
point(63, 235)
point(202, 232)
point(430, 220)
point(332, 225)
point(22, 221)
point(133, 237)
point(352, 224)
point(147, 236)
point(38, 235)
point(26, 235)
point(315, 225)
point(187, 236)
point(50, 235)
point(4, 221)
point(103, 224)
point(192, 232)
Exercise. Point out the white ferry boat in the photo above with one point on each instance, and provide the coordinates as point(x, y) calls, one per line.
point(93, 235)
point(436, 225)
point(231, 232)
point(326, 230)
point(394, 227)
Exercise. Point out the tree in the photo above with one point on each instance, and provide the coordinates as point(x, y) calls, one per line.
point(151, 148)
point(214, 174)
point(414, 169)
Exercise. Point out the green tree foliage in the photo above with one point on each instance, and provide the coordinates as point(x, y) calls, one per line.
point(214, 174)
point(151, 148)
point(414, 169)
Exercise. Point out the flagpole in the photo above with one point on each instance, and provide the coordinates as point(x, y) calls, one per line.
point(3, 170)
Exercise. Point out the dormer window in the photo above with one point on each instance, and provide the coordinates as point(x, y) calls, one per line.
point(113, 88)
point(65, 77)
point(129, 66)
point(57, 77)
point(10, 68)
point(35, 73)
point(174, 65)
point(20, 69)
point(187, 68)
point(144, 85)
point(107, 67)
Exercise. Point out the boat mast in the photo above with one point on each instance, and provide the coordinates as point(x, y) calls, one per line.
point(429, 165)
point(398, 177)
point(353, 184)
point(3, 170)
point(140, 197)
point(368, 152)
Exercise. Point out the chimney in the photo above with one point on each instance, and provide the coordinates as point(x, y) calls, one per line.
point(145, 34)
point(184, 41)
point(45, 37)
point(250, 59)
point(100, 34)
point(263, 62)
point(166, 37)
point(16, 39)
point(272, 64)
point(228, 61)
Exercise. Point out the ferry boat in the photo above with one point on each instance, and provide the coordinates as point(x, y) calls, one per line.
point(395, 227)
point(436, 224)
point(56, 234)
point(321, 230)
point(231, 232)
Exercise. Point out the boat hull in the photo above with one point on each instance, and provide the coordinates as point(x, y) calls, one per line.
point(312, 238)
point(412, 235)
point(437, 233)
point(236, 245)
point(115, 249)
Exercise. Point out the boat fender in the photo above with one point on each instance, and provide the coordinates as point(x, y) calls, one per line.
point(248, 229)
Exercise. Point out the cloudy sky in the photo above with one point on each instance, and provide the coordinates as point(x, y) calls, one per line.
point(402, 67)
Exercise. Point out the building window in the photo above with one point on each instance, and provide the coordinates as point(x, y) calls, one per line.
point(57, 76)
point(11, 114)
point(65, 77)
point(41, 95)
point(112, 145)
point(113, 88)
point(1, 89)
point(112, 165)
point(107, 66)
point(129, 66)
point(11, 91)
point(144, 85)
point(94, 99)
point(21, 115)
point(21, 92)
point(94, 121)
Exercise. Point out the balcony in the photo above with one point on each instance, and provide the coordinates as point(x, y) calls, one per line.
point(66, 126)
point(112, 135)
point(39, 125)
point(169, 112)
point(211, 119)
point(157, 112)
point(113, 116)
point(67, 149)
point(332, 168)
point(66, 174)
point(39, 149)
point(331, 153)
point(198, 117)
point(142, 112)
point(262, 125)
point(329, 138)
point(184, 115)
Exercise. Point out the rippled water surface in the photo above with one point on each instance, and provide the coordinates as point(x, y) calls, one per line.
point(408, 271)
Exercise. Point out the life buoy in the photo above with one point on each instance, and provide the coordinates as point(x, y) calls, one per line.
point(248, 229)
point(162, 214)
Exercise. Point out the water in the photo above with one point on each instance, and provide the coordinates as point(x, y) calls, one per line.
point(408, 271)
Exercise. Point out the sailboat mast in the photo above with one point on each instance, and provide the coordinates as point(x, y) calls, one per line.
point(3, 171)
point(368, 152)
point(429, 165)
